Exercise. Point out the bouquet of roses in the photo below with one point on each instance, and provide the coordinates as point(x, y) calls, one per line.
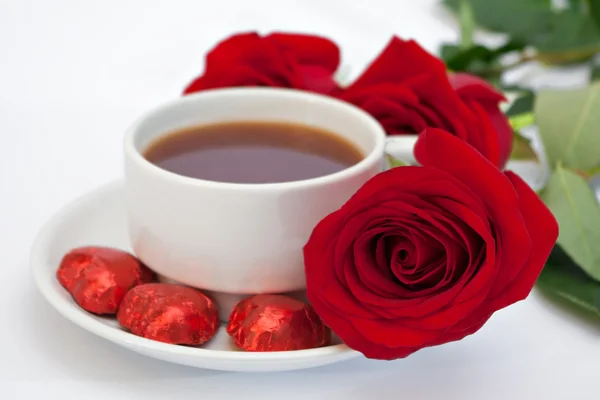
point(422, 254)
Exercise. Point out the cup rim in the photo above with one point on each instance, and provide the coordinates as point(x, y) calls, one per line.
point(370, 123)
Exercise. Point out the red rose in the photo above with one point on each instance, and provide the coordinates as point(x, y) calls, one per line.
point(478, 94)
point(422, 256)
point(407, 90)
point(280, 60)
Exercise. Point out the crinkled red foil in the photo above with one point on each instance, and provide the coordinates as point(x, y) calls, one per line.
point(169, 313)
point(276, 323)
point(99, 277)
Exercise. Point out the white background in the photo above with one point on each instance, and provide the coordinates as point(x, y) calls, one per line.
point(75, 73)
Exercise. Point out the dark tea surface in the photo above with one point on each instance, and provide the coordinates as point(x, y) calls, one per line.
point(253, 152)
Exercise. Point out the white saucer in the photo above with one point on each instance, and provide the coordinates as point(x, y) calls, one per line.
point(98, 218)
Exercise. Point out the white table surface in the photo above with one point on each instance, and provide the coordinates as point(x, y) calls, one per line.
point(73, 76)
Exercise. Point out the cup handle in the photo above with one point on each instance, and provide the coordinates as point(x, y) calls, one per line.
point(401, 147)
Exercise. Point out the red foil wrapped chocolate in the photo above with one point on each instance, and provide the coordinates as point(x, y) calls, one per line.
point(169, 313)
point(99, 277)
point(269, 322)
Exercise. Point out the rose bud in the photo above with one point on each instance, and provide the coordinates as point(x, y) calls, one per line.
point(99, 277)
point(169, 313)
point(269, 322)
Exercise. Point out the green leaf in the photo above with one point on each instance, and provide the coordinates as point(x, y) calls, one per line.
point(449, 51)
point(515, 88)
point(459, 59)
point(521, 121)
point(595, 72)
point(477, 59)
point(523, 19)
point(522, 105)
point(562, 278)
point(594, 10)
point(574, 204)
point(510, 46)
point(572, 37)
point(569, 121)
point(521, 149)
point(593, 175)
point(579, 5)
point(560, 37)
point(467, 24)
point(520, 115)
point(393, 162)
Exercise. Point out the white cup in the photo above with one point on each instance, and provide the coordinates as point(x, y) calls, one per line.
point(239, 238)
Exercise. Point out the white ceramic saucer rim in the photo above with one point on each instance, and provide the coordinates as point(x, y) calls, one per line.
point(80, 317)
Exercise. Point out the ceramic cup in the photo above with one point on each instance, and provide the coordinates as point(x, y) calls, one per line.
point(239, 238)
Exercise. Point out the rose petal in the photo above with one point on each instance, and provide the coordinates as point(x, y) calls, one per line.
point(296, 61)
point(339, 298)
point(234, 75)
point(318, 79)
point(392, 333)
point(346, 241)
point(424, 74)
point(472, 87)
point(379, 187)
point(440, 149)
point(349, 335)
point(503, 130)
point(378, 305)
point(310, 49)
point(475, 232)
point(399, 306)
point(392, 64)
point(394, 92)
point(439, 96)
point(468, 287)
point(487, 137)
point(377, 278)
point(231, 47)
point(402, 120)
point(454, 334)
point(543, 231)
